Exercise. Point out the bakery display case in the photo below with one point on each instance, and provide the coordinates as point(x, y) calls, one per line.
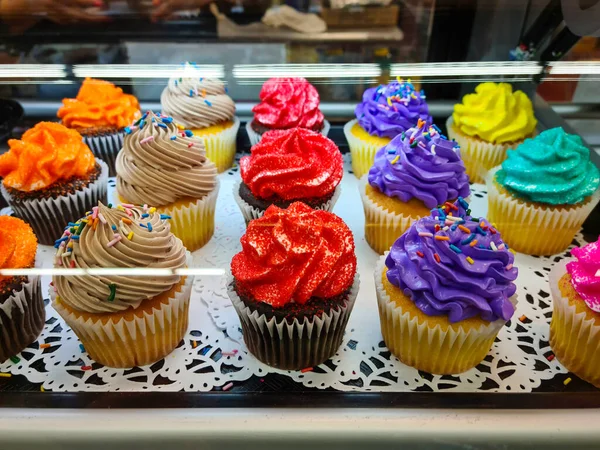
point(337, 222)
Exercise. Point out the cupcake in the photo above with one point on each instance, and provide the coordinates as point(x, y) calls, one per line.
point(22, 313)
point(489, 122)
point(417, 171)
point(51, 178)
point(445, 290)
point(288, 166)
point(294, 285)
point(385, 112)
point(546, 187)
point(168, 168)
point(203, 106)
point(575, 326)
point(286, 103)
point(123, 320)
point(100, 114)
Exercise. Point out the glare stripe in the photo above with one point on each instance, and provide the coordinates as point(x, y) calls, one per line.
point(148, 71)
point(33, 71)
point(137, 272)
point(245, 71)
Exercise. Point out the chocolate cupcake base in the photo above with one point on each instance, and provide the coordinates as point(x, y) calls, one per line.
point(253, 207)
point(105, 145)
point(49, 211)
point(294, 337)
point(255, 131)
point(22, 315)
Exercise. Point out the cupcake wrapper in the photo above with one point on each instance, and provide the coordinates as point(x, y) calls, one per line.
point(297, 345)
point(250, 213)
point(479, 156)
point(48, 217)
point(382, 227)
point(427, 348)
point(138, 341)
point(221, 147)
point(106, 148)
point(533, 229)
point(22, 318)
point(574, 337)
point(362, 153)
point(255, 137)
point(194, 224)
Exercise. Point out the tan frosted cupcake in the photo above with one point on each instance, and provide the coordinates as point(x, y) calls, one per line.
point(575, 326)
point(123, 320)
point(443, 300)
point(488, 123)
point(168, 168)
point(203, 106)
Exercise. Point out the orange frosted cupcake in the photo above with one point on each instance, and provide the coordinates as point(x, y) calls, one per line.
point(22, 313)
point(123, 320)
point(100, 113)
point(51, 178)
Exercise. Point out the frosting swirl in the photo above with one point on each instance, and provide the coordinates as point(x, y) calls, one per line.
point(495, 114)
point(289, 103)
point(18, 245)
point(292, 164)
point(291, 255)
point(196, 102)
point(45, 154)
point(144, 241)
point(445, 274)
point(552, 168)
point(422, 164)
point(585, 274)
point(388, 110)
point(99, 104)
point(160, 164)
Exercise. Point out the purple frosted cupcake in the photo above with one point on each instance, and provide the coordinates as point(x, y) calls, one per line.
point(417, 171)
point(385, 112)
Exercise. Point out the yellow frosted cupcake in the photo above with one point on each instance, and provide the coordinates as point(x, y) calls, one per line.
point(443, 300)
point(575, 326)
point(543, 192)
point(417, 171)
point(489, 122)
point(163, 166)
point(203, 106)
point(385, 112)
point(123, 320)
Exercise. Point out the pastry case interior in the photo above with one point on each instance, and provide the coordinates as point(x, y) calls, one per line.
point(313, 222)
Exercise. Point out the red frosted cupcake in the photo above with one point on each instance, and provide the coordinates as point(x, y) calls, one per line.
point(294, 285)
point(288, 166)
point(286, 103)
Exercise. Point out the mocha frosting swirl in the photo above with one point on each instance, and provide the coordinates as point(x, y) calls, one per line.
point(152, 246)
point(160, 164)
point(197, 102)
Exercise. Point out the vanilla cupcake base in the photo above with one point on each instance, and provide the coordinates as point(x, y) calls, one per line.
point(256, 137)
point(533, 228)
point(479, 156)
point(250, 213)
point(221, 147)
point(430, 348)
point(132, 338)
point(574, 336)
point(362, 152)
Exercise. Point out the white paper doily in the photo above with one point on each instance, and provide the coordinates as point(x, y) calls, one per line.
point(213, 353)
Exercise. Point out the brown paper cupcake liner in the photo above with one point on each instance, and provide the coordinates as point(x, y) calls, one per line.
point(106, 147)
point(256, 137)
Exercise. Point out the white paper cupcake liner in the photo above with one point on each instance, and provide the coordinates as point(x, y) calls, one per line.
point(361, 152)
point(256, 137)
point(479, 156)
point(194, 224)
point(250, 213)
point(48, 217)
point(531, 228)
point(574, 337)
point(221, 147)
point(22, 318)
point(106, 148)
point(141, 340)
point(426, 348)
point(296, 345)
